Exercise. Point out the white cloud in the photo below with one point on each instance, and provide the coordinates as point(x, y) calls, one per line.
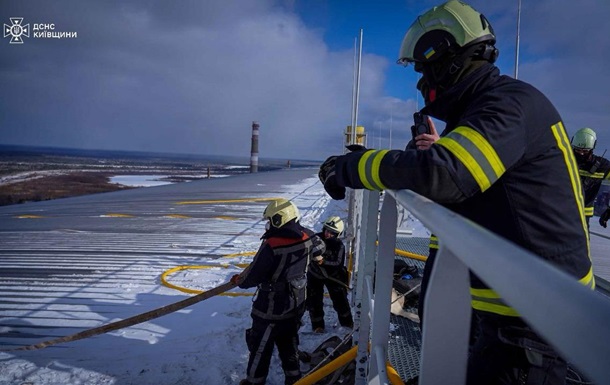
point(192, 76)
point(147, 82)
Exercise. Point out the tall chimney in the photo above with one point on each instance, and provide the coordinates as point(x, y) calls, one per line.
point(254, 150)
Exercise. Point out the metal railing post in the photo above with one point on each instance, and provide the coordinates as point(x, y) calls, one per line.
point(383, 291)
point(366, 251)
point(445, 344)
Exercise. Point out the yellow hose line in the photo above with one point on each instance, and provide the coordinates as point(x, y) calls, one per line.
point(410, 255)
point(194, 291)
point(166, 273)
point(350, 266)
point(393, 375)
point(327, 369)
point(407, 254)
point(341, 361)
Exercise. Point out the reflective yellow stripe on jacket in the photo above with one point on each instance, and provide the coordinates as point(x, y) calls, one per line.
point(368, 169)
point(563, 143)
point(595, 175)
point(589, 211)
point(476, 153)
point(433, 242)
point(489, 301)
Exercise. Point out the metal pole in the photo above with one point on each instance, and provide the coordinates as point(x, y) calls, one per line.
point(391, 117)
point(352, 133)
point(357, 90)
point(517, 42)
point(352, 140)
point(353, 194)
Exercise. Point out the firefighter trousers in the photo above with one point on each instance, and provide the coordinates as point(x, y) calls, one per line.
point(509, 353)
point(261, 339)
point(338, 296)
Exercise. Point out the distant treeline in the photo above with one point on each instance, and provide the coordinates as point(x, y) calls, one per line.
point(57, 186)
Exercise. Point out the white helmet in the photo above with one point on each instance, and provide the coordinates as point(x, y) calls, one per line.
point(584, 139)
point(334, 224)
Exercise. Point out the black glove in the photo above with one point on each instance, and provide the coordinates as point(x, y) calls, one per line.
point(603, 219)
point(356, 147)
point(329, 179)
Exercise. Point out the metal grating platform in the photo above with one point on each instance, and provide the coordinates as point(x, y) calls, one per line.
point(415, 245)
point(404, 347)
point(404, 344)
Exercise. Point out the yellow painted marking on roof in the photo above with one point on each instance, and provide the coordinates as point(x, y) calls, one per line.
point(244, 253)
point(118, 215)
point(214, 201)
point(242, 265)
point(226, 217)
point(29, 216)
point(176, 216)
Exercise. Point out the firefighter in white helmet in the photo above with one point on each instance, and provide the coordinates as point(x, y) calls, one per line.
point(329, 271)
point(593, 169)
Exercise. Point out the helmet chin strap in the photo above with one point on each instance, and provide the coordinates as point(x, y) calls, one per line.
point(446, 72)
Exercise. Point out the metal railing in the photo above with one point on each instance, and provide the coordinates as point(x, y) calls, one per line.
point(573, 318)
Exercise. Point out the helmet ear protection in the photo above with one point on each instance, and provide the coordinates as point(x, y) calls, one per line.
point(276, 220)
point(490, 53)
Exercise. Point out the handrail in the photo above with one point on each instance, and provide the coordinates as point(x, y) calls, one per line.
point(573, 318)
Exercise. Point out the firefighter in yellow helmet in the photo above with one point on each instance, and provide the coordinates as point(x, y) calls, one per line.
point(593, 169)
point(329, 271)
point(278, 271)
point(503, 161)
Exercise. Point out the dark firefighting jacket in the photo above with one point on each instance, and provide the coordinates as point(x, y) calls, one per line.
point(592, 173)
point(334, 261)
point(279, 271)
point(504, 161)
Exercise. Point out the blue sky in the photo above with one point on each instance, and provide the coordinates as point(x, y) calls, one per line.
point(191, 76)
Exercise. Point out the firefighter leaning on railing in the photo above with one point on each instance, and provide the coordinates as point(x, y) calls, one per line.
point(593, 169)
point(278, 271)
point(503, 161)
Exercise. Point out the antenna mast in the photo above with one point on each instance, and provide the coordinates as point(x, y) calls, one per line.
point(517, 43)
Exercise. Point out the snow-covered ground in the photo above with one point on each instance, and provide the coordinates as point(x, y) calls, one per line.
point(29, 175)
point(201, 344)
point(140, 180)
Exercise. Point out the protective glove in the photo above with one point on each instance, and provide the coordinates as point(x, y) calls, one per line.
point(603, 219)
point(329, 179)
point(356, 147)
point(236, 279)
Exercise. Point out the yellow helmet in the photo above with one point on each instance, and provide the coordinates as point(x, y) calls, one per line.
point(446, 28)
point(281, 211)
point(334, 224)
